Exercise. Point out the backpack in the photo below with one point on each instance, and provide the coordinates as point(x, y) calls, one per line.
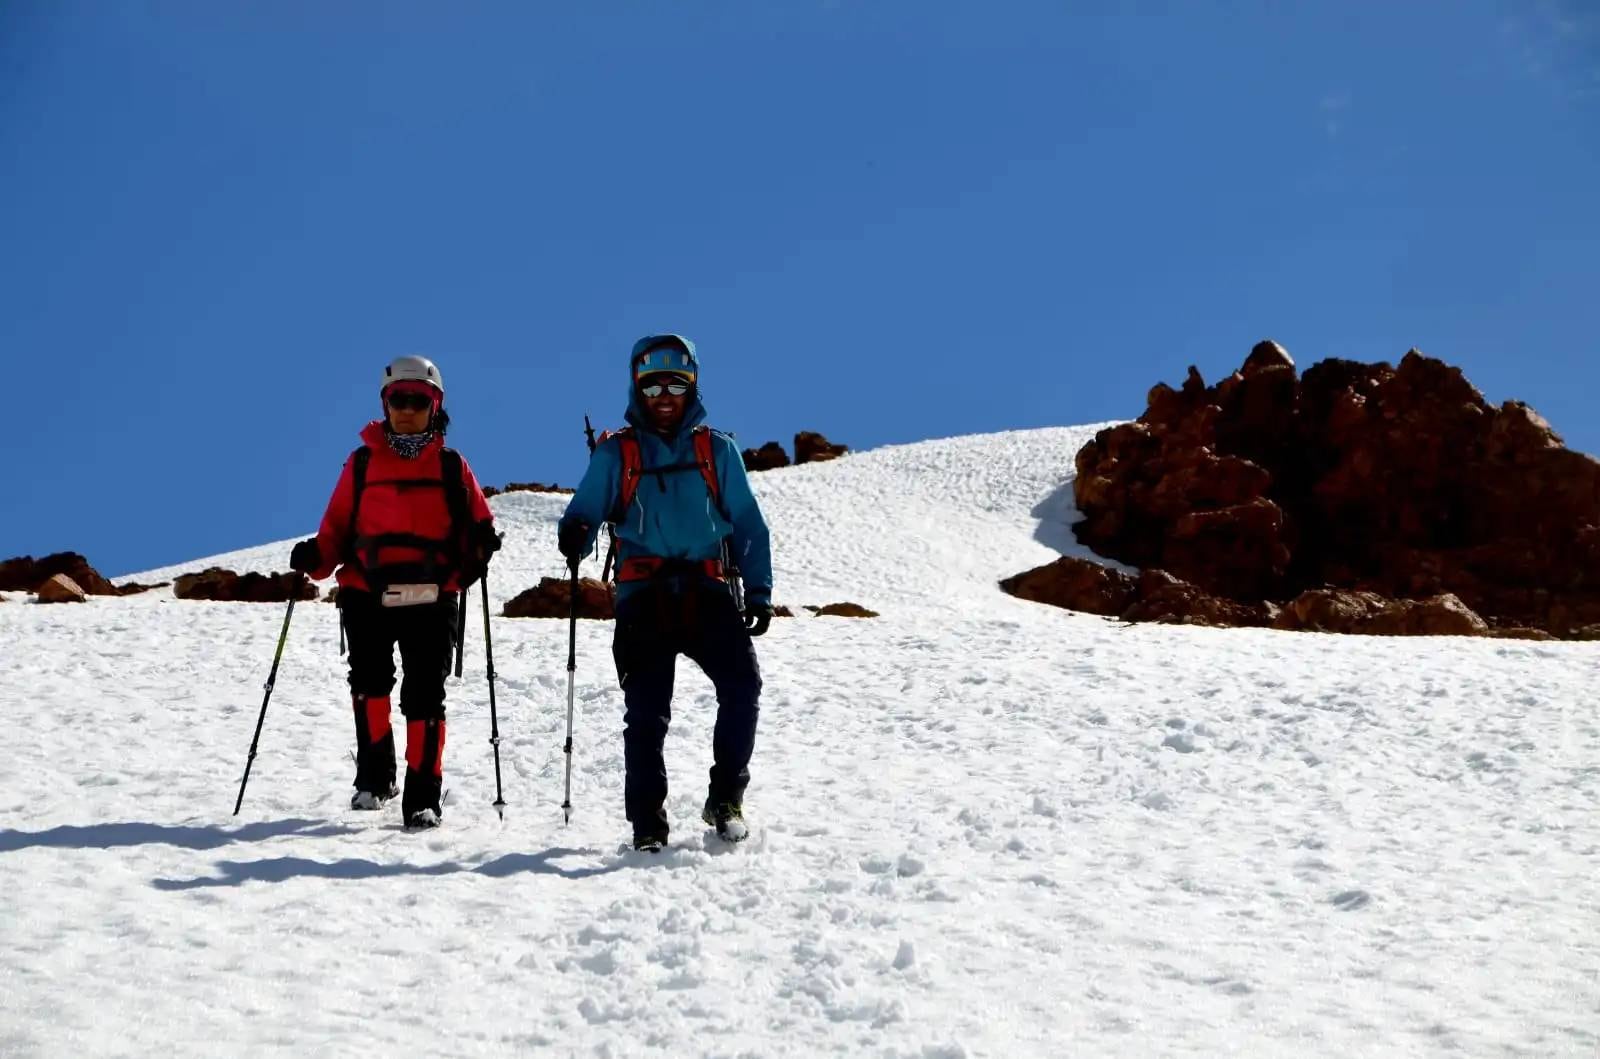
point(362, 550)
point(634, 471)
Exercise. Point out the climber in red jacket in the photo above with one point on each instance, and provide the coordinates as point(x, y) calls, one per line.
point(407, 529)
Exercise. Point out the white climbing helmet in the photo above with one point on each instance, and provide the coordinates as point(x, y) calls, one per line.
point(412, 369)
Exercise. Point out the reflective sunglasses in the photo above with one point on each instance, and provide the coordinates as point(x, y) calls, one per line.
point(409, 400)
point(653, 390)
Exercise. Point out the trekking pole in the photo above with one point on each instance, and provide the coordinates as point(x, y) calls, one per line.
point(572, 673)
point(494, 719)
point(272, 678)
point(572, 641)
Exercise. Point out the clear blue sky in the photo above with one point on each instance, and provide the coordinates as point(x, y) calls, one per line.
point(885, 221)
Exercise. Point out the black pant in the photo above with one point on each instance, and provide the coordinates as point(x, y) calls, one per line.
point(654, 626)
point(427, 638)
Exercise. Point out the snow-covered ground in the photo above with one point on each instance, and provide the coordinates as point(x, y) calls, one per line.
point(982, 827)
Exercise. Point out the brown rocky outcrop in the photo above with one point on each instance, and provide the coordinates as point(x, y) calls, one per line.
point(768, 457)
point(1154, 595)
point(61, 589)
point(1401, 482)
point(810, 447)
point(1330, 610)
point(219, 585)
point(1523, 632)
point(25, 574)
point(133, 588)
point(1164, 598)
point(1077, 584)
point(1337, 610)
point(552, 598)
point(526, 487)
point(1441, 615)
point(842, 610)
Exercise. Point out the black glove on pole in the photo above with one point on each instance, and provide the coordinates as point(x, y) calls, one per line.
point(572, 538)
point(758, 618)
point(305, 556)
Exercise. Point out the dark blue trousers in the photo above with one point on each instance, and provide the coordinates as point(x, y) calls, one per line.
point(654, 626)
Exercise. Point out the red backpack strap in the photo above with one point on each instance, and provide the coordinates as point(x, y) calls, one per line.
point(705, 456)
point(632, 468)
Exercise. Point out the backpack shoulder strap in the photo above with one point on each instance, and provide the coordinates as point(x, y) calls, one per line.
point(705, 456)
point(452, 477)
point(632, 469)
point(358, 484)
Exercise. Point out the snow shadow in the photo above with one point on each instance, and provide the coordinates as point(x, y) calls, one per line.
point(1057, 513)
point(282, 869)
point(133, 833)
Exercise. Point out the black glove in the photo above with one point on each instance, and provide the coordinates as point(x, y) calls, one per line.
point(306, 557)
point(573, 540)
point(484, 542)
point(757, 616)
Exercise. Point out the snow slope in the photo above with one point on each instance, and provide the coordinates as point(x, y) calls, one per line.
point(983, 827)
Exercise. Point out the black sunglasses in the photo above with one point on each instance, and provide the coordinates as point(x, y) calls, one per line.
point(408, 401)
point(676, 389)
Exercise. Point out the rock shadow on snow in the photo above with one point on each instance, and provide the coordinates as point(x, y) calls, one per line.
point(1057, 514)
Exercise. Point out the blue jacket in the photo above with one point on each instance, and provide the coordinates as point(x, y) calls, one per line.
point(672, 515)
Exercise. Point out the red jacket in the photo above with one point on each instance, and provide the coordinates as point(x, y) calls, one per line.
point(390, 506)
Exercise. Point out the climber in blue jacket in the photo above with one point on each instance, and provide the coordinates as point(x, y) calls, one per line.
point(680, 500)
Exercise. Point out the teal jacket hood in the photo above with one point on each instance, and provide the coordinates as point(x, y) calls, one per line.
point(694, 413)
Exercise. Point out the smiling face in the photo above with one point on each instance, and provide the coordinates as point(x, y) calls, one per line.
point(409, 408)
point(664, 407)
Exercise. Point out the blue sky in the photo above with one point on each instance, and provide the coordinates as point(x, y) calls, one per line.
point(884, 221)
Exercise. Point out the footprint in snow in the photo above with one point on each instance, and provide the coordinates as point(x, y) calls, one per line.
point(1350, 900)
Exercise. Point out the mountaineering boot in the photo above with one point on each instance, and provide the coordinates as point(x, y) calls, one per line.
point(422, 820)
point(369, 800)
point(649, 842)
point(727, 818)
